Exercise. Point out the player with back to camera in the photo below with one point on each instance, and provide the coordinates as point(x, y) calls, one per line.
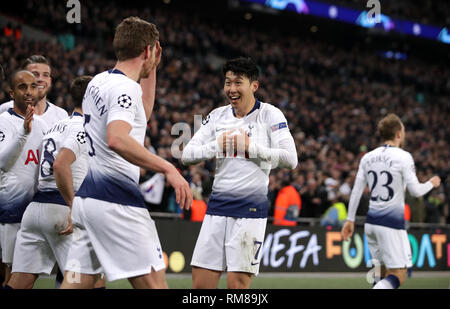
point(388, 170)
point(114, 231)
point(248, 139)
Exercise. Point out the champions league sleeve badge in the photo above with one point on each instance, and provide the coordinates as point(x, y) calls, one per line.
point(124, 101)
point(81, 137)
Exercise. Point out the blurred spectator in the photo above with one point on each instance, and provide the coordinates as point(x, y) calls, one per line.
point(288, 205)
point(8, 30)
point(18, 33)
point(197, 211)
point(314, 200)
point(335, 215)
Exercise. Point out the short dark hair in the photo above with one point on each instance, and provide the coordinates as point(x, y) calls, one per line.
point(34, 59)
point(132, 36)
point(12, 79)
point(389, 126)
point(78, 88)
point(242, 66)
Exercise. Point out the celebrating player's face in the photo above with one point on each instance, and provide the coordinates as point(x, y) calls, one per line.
point(43, 79)
point(25, 90)
point(239, 90)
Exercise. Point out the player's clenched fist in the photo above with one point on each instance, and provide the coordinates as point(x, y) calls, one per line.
point(435, 181)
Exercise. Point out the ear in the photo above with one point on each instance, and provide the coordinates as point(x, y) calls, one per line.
point(11, 93)
point(147, 52)
point(255, 85)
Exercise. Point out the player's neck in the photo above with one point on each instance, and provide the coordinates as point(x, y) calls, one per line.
point(18, 111)
point(131, 68)
point(241, 113)
point(78, 110)
point(41, 106)
point(392, 143)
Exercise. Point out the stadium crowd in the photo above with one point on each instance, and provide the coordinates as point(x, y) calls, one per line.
point(332, 95)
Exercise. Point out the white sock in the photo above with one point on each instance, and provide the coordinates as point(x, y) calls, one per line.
point(390, 282)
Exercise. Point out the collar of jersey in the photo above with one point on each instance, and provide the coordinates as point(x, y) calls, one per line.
point(255, 107)
point(115, 71)
point(76, 114)
point(12, 112)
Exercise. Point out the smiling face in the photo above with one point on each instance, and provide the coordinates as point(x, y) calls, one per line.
point(42, 73)
point(24, 90)
point(240, 91)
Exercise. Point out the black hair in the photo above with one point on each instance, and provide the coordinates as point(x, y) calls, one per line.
point(78, 88)
point(242, 66)
point(12, 78)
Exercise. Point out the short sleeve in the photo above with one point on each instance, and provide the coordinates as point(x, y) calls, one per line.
point(76, 140)
point(123, 103)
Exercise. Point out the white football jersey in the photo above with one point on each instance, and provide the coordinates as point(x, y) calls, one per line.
point(18, 176)
point(388, 171)
point(51, 114)
point(67, 133)
point(241, 181)
point(111, 96)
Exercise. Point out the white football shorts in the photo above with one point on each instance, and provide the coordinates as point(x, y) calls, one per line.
point(39, 245)
point(8, 237)
point(120, 241)
point(231, 244)
point(389, 246)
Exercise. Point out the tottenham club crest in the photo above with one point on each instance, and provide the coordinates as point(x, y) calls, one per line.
point(81, 137)
point(2, 136)
point(124, 101)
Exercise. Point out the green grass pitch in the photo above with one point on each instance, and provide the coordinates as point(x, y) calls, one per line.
point(292, 281)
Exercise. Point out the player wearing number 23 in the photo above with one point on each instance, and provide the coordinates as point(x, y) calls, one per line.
point(388, 170)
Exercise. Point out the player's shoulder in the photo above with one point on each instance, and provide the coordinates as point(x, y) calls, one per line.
point(60, 112)
point(5, 106)
point(217, 113)
point(270, 112)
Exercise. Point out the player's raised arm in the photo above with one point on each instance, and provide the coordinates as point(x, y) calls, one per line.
point(24, 93)
point(11, 145)
point(148, 84)
point(416, 188)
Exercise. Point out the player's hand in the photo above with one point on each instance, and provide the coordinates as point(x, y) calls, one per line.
point(157, 55)
point(27, 123)
point(347, 230)
point(224, 141)
point(69, 227)
point(183, 193)
point(435, 181)
point(241, 141)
